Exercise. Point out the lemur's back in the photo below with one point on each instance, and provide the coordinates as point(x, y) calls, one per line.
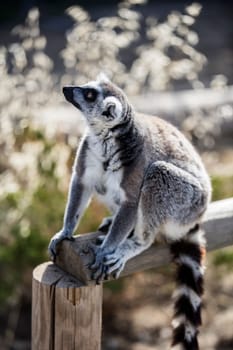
point(165, 142)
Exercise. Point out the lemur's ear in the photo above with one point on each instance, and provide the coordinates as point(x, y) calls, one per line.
point(112, 108)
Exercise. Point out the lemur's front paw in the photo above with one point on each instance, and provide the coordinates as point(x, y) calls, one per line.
point(115, 263)
point(98, 267)
point(106, 264)
point(57, 238)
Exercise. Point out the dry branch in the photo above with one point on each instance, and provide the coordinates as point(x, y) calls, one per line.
point(74, 256)
point(177, 102)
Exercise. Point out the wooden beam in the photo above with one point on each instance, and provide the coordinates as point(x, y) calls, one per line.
point(74, 256)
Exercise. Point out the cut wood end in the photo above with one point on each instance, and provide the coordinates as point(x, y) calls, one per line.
point(50, 274)
point(75, 256)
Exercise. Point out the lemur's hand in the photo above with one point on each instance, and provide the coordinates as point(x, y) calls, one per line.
point(100, 271)
point(58, 237)
point(107, 263)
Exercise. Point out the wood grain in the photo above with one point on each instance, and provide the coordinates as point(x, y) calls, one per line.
point(74, 256)
point(65, 313)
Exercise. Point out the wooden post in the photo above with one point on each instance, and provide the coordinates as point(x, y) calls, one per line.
point(66, 315)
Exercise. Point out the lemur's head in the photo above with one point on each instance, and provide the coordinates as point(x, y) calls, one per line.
point(102, 103)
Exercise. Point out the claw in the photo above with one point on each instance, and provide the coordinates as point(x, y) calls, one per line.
point(52, 251)
point(97, 275)
point(102, 275)
point(116, 268)
point(53, 255)
point(95, 265)
point(114, 275)
point(117, 273)
point(97, 261)
point(99, 278)
point(106, 277)
point(58, 237)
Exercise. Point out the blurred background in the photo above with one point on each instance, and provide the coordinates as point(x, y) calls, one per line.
point(174, 59)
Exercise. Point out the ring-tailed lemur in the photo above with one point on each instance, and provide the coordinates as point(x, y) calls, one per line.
point(153, 181)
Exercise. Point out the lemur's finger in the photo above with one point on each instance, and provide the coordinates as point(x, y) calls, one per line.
point(99, 274)
point(116, 269)
point(110, 259)
point(117, 273)
point(52, 254)
point(52, 250)
point(95, 265)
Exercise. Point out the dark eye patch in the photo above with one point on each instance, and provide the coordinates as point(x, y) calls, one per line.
point(90, 95)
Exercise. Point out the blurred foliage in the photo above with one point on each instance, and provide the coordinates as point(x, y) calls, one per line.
point(115, 286)
point(29, 216)
point(26, 215)
point(160, 52)
point(222, 187)
point(224, 258)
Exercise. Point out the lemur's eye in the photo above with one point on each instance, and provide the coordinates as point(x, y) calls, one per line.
point(90, 94)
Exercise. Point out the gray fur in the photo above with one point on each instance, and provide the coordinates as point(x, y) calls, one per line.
point(144, 168)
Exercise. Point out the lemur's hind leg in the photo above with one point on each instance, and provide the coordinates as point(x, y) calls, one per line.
point(175, 200)
point(171, 201)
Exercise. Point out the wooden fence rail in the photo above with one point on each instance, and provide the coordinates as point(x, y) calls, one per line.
point(67, 305)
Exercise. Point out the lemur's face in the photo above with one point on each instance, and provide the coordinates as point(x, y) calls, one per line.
point(101, 102)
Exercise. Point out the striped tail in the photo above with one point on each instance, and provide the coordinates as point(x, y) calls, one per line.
point(188, 254)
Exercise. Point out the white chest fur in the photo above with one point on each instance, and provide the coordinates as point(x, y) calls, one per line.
point(107, 184)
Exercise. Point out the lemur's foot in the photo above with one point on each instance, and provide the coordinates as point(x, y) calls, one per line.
point(57, 238)
point(105, 224)
point(98, 268)
point(115, 263)
point(106, 264)
point(112, 262)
